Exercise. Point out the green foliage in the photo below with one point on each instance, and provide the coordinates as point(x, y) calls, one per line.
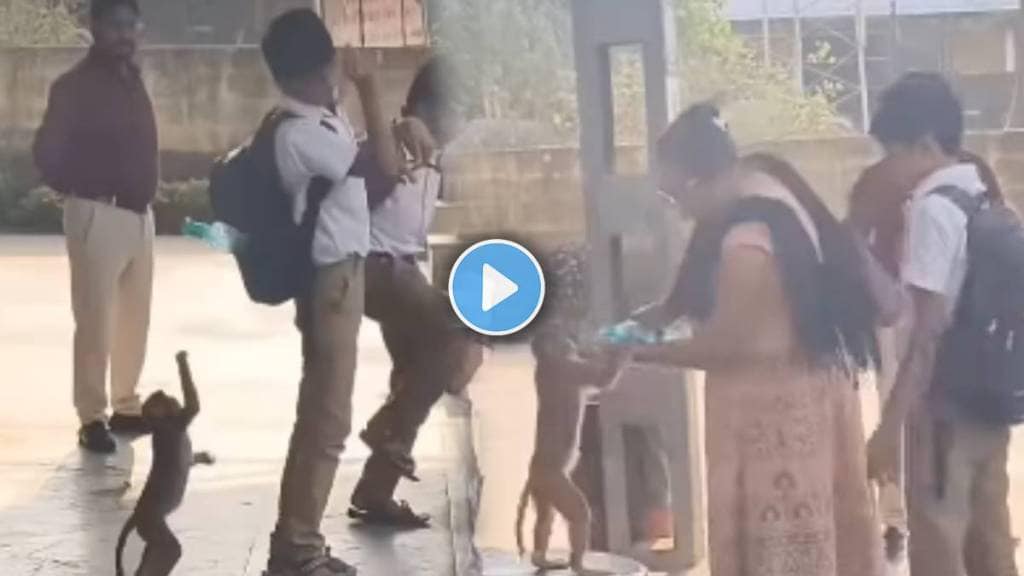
point(40, 23)
point(39, 211)
point(517, 57)
point(762, 101)
point(32, 209)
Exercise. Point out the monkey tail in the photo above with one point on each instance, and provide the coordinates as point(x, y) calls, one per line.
point(129, 526)
point(524, 501)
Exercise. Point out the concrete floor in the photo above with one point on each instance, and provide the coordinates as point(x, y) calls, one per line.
point(60, 510)
point(504, 405)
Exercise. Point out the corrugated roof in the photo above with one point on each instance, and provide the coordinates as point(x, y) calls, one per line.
point(756, 9)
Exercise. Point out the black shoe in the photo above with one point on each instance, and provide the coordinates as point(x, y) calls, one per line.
point(129, 425)
point(95, 437)
point(895, 543)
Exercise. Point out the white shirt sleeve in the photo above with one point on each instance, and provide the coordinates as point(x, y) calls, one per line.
point(937, 232)
point(305, 149)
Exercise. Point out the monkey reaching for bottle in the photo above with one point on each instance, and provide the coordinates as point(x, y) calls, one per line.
point(565, 378)
point(168, 477)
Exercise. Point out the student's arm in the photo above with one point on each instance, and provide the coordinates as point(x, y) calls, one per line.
point(50, 149)
point(935, 237)
point(379, 186)
point(380, 135)
point(914, 377)
point(913, 380)
point(731, 335)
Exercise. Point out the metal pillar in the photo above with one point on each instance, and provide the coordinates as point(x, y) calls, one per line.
point(628, 234)
point(798, 48)
point(861, 32)
point(620, 205)
point(848, 49)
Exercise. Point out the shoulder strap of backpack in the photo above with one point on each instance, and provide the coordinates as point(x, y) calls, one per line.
point(319, 186)
point(968, 203)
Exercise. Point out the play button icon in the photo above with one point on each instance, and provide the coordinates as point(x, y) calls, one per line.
point(496, 287)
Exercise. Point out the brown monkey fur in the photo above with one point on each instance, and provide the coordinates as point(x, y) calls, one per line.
point(168, 477)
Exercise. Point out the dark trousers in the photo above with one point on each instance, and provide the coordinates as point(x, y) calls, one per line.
point(430, 353)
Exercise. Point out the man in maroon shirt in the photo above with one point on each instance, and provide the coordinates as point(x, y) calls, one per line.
point(97, 147)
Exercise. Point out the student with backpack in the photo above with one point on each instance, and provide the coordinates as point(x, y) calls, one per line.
point(294, 195)
point(959, 386)
point(877, 214)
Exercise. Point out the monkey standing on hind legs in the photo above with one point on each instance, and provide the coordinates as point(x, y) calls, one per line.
point(564, 379)
point(168, 477)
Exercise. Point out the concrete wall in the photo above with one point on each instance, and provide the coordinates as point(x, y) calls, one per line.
point(208, 99)
point(240, 22)
point(537, 193)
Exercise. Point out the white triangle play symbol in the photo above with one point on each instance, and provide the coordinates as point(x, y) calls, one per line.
point(497, 288)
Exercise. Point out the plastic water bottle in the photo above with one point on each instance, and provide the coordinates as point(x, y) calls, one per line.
point(217, 235)
point(629, 332)
point(632, 332)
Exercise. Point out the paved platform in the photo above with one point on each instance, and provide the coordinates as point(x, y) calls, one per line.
point(61, 510)
point(504, 406)
point(503, 563)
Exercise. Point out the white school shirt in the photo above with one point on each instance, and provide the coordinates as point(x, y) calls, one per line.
point(936, 255)
point(305, 149)
point(401, 223)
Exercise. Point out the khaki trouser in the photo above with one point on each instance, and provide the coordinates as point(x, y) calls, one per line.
point(111, 255)
point(329, 321)
point(430, 354)
point(957, 491)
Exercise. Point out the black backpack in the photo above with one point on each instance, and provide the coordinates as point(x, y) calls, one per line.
point(246, 192)
point(981, 361)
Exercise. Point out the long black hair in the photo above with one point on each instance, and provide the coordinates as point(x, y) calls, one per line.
point(834, 313)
